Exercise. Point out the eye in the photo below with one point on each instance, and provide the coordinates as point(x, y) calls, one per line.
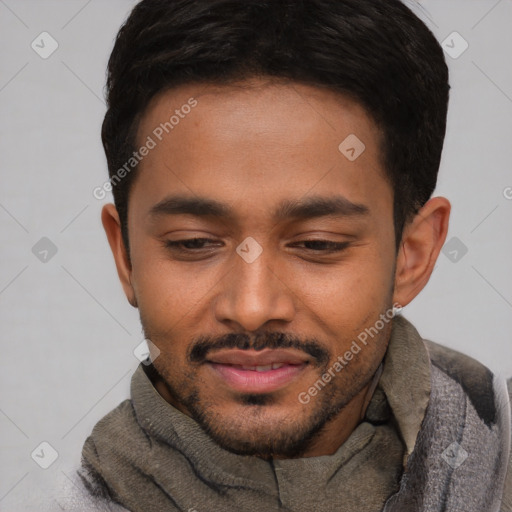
point(198, 245)
point(323, 246)
point(189, 244)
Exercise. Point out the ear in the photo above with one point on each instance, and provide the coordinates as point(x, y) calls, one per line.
point(422, 240)
point(112, 226)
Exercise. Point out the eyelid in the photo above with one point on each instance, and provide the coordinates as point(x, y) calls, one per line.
point(336, 246)
point(176, 243)
point(333, 247)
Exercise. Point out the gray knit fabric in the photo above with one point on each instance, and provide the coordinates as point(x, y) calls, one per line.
point(453, 428)
point(441, 413)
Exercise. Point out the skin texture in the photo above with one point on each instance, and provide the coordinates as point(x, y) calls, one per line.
point(252, 146)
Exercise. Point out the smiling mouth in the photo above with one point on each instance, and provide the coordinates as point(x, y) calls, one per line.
point(249, 371)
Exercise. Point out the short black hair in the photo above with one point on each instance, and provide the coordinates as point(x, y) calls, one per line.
point(376, 52)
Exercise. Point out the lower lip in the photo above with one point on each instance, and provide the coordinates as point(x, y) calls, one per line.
point(251, 381)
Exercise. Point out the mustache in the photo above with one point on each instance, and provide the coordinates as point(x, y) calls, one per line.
point(199, 350)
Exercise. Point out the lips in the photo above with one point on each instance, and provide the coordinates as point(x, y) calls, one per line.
point(251, 371)
point(258, 358)
point(261, 368)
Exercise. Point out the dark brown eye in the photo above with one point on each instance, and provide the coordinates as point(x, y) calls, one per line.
point(189, 244)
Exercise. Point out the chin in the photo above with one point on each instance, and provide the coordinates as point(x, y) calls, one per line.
point(261, 425)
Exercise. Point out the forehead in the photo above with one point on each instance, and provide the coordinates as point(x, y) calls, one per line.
point(257, 143)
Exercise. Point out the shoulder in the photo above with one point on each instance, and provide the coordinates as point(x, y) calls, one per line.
point(479, 383)
point(71, 493)
point(104, 451)
point(106, 447)
point(83, 488)
point(485, 391)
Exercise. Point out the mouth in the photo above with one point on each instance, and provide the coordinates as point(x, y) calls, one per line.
point(250, 371)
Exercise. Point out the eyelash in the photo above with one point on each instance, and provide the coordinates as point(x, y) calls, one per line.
point(177, 245)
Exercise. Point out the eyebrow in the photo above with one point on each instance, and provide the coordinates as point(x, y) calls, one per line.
point(312, 207)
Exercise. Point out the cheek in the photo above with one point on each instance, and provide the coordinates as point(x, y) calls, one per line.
point(160, 292)
point(171, 295)
point(347, 296)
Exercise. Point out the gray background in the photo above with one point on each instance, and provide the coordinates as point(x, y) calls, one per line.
point(68, 333)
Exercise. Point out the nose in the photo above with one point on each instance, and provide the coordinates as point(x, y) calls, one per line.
point(254, 294)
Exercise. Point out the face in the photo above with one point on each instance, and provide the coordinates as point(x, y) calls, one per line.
point(260, 252)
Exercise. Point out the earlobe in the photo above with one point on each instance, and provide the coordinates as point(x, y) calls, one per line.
point(112, 226)
point(422, 240)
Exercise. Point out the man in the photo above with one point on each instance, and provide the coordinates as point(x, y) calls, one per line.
point(272, 164)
